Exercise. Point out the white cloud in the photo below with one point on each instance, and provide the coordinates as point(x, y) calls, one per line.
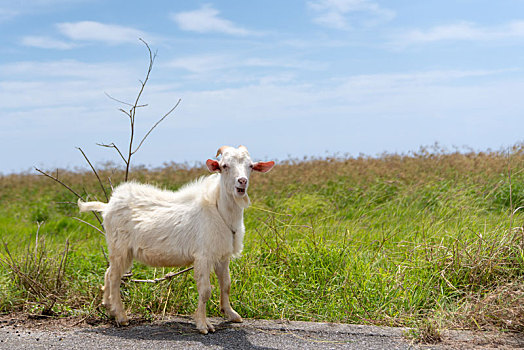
point(407, 95)
point(375, 82)
point(24, 70)
point(7, 14)
point(45, 42)
point(462, 31)
point(96, 31)
point(63, 101)
point(336, 13)
point(30, 86)
point(207, 20)
point(201, 64)
point(85, 31)
point(10, 9)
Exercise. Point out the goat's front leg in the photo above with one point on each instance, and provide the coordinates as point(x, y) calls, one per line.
point(202, 271)
point(224, 280)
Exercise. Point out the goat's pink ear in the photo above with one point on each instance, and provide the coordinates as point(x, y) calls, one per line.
point(213, 165)
point(263, 167)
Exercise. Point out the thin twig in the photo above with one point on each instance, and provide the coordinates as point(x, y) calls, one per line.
point(87, 223)
point(122, 102)
point(69, 188)
point(154, 126)
point(95, 172)
point(125, 112)
point(166, 277)
point(38, 225)
point(112, 145)
point(63, 263)
point(105, 255)
point(90, 313)
point(60, 182)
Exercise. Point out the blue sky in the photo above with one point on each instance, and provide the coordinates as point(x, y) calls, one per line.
point(285, 78)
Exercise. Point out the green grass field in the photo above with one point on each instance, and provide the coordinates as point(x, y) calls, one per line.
point(428, 238)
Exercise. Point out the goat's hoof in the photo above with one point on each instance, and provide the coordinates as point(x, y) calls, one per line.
point(206, 327)
point(233, 316)
point(122, 321)
point(236, 319)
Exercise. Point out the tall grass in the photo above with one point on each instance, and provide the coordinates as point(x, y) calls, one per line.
point(432, 236)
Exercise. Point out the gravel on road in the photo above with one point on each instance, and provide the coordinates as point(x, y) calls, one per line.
point(180, 333)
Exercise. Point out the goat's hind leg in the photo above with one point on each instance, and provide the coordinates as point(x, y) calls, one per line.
point(106, 288)
point(224, 280)
point(118, 264)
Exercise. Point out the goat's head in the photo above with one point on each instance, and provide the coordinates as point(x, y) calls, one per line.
point(235, 167)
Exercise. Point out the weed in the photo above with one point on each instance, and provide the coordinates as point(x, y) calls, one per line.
point(425, 332)
point(38, 275)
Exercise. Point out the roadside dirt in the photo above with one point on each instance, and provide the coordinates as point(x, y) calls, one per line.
point(303, 334)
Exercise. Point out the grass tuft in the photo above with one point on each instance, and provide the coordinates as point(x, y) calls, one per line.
point(425, 332)
point(38, 275)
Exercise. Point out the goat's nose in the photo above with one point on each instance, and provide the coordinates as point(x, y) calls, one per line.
point(242, 181)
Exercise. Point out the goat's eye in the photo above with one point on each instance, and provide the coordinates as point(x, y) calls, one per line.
point(251, 166)
point(225, 166)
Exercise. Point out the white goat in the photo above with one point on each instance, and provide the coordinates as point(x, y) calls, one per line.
point(200, 224)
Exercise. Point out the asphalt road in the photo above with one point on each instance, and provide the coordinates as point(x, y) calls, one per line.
point(180, 333)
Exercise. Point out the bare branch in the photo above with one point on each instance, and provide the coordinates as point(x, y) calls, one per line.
point(117, 100)
point(149, 69)
point(38, 225)
point(95, 172)
point(69, 188)
point(154, 126)
point(124, 103)
point(132, 112)
point(166, 277)
point(112, 145)
point(60, 182)
point(104, 254)
point(87, 223)
point(63, 263)
point(125, 112)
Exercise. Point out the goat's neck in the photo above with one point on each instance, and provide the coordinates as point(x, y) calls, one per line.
point(230, 211)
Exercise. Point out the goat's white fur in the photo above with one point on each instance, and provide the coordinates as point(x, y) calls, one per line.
point(200, 224)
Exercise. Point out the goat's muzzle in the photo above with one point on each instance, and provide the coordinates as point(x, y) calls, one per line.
point(240, 191)
point(241, 186)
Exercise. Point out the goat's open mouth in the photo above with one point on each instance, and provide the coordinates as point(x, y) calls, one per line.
point(240, 191)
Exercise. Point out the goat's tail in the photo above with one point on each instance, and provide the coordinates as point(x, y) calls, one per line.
point(91, 206)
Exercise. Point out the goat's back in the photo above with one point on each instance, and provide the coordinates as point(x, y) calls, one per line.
point(166, 228)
